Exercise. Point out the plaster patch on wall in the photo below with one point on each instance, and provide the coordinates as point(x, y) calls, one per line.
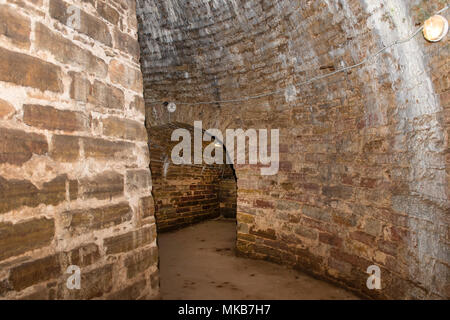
point(290, 93)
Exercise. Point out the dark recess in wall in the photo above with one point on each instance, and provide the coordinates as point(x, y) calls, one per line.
point(187, 194)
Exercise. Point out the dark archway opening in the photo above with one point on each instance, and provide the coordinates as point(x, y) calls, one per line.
point(189, 193)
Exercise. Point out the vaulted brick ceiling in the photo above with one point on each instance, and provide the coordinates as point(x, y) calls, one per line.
point(362, 177)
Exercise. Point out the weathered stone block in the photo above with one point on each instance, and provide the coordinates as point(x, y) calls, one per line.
point(246, 218)
point(138, 181)
point(306, 232)
point(107, 150)
point(124, 129)
point(6, 109)
point(83, 256)
point(126, 76)
point(108, 13)
point(27, 71)
point(306, 260)
point(94, 284)
point(65, 51)
point(80, 87)
point(17, 147)
point(331, 239)
point(73, 189)
point(363, 237)
point(154, 280)
point(287, 205)
point(267, 233)
point(103, 186)
point(263, 204)
point(45, 117)
point(388, 247)
point(85, 220)
point(17, 193)
point(40, 294)
point(65, 148)
point(126, 43)
point(16, 239)
point(138, 104)
point(130, 241)
point(15, 27)
point(131, 292)
point(89, 25)
point(146, 207)
point(34, 272)
point(140, 261)
point(316, 213)
point(54, 191)
point(106, 96)
point(342, 192)
point(5, 287)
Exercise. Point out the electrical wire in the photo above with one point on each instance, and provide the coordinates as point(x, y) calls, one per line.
point(367, 60)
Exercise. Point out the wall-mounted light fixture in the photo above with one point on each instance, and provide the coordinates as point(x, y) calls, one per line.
point(171, 107)
point(435, 28)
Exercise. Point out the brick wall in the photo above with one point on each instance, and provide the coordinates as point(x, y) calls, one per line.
point(364, 163)
point(75, 188)
point(186, 194)
point(228, 193)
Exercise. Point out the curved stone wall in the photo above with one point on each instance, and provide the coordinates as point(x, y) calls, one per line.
point(364, 165)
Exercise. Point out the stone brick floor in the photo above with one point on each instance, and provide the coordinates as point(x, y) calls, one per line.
point(198, 262)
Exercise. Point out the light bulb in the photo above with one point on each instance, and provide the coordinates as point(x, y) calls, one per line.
point(435, 28)
point(171, 107)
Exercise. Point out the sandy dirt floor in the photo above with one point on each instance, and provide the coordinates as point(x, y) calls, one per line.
point(199, 263)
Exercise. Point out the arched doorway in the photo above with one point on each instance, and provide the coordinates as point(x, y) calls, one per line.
point(187, 193)
point(195, 209)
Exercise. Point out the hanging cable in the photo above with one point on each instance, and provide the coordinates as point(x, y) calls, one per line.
point(367, 60)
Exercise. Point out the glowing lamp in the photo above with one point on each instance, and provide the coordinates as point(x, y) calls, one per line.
point(435, 28)
point(171, 107)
